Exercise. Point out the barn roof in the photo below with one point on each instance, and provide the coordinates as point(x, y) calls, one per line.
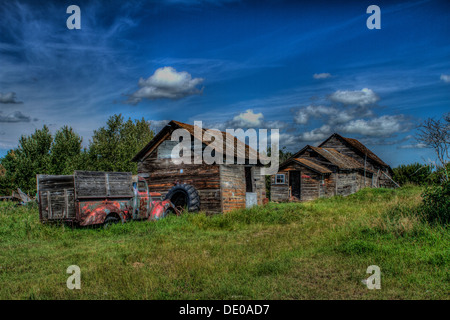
point(313, 165)
point(172, 125)
point(308, 163)
point(338, 159)
point(333, 156)
point(355, 144)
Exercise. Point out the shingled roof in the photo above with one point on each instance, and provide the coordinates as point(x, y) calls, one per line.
point(338, 159)
point(172, 125)
point(333, 156)
point(307, 163)
point(355, 144)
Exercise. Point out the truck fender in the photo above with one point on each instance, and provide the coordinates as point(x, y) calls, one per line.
point(160, 209)
point(96, 213)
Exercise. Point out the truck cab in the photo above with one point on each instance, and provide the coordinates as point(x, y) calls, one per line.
point(148, 205)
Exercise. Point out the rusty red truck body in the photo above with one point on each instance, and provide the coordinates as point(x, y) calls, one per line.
point(89, 198)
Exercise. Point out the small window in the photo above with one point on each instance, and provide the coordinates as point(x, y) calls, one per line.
point(142, 186)
point(280, 179)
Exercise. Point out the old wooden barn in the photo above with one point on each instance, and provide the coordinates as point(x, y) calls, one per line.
point(338, 166)
point(221, 187)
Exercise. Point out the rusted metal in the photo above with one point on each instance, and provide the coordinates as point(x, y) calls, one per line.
point(91, 210)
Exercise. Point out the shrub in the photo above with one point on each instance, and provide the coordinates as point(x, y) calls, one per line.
point(436, 203)
point(415, 173)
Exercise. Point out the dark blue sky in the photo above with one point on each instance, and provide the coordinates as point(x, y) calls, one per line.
point(307, 68)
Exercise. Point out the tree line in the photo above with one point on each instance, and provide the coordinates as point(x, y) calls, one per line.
point(113, 146)
point(111, 149)
point(435, 135)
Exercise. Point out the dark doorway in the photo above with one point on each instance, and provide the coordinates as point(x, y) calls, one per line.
point(248, 179)
point(294, 183)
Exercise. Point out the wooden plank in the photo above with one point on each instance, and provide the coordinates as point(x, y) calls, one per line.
point(49, 204)
point(66, 198)
point(103, 184)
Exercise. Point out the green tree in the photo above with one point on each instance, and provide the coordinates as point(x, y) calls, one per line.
point(435, 134)
point(66, 152)
point(32, 156)
point(6, 185)
point(114, 145)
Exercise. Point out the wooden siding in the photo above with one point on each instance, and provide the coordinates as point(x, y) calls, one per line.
point(280, 192)
point(347, 183)
point(374, 168)
point(259, 184)
point(56, 197)
point(103, 184)
point(338, 183)
point(163, 174)
point(232, 184)
point(328, 189)
point(221, 187)
point(309, 187)
point(309, 184)
point(344, 171)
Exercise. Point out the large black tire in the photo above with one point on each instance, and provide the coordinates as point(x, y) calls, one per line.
point(184, 196)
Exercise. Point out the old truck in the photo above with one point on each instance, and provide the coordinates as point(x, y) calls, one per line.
point(89, 198)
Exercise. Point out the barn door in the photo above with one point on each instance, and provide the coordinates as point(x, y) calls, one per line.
point(250, 196)
point(294, 183)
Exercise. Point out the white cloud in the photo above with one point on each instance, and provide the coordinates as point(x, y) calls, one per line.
point(379, 127)
point(275, 124)
point(361, 98)
point(16, 116)
point(321, 75)
point(9, 97)
point(346, 115)
point(166, 83)
point(413, 146)
point(445, 78)
point(248, 119)
point(317, 134)
point(303, 115)
point(288, 139)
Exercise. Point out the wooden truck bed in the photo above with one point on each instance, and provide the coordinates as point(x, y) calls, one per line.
point(59, 196)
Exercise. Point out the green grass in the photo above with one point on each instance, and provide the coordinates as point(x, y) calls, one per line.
point(314, 250)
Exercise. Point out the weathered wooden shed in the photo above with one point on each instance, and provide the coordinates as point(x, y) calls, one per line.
point(339, 166)
point(359, 152)
point(221, 187)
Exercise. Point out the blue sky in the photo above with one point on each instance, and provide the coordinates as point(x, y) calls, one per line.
point(307, 68)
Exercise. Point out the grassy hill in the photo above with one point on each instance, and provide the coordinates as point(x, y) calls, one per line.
point(314, 250)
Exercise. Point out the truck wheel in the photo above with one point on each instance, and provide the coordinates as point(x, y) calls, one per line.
point(109, 221)
point(184, 196)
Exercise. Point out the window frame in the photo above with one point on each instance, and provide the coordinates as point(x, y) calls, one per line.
point(138, 187)
point(284, 178)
